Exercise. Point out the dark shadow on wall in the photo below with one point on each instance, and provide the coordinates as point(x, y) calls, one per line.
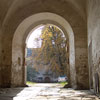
point(96, 83)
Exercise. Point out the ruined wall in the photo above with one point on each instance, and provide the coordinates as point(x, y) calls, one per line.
point(94, 38)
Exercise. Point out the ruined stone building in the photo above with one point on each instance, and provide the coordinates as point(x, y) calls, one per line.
point(78, 19)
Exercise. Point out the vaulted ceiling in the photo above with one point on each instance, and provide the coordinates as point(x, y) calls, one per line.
point(10, 7)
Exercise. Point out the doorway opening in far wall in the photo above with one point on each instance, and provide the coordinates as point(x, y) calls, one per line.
point(47, 55)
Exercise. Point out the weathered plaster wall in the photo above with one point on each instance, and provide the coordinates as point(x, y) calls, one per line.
point(4, 7)
point(4, 67)
point(81, 57)
point(5, 63)
point(18, 61)
point(94, 36)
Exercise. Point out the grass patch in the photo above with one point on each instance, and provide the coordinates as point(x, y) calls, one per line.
point(63, 83)
point(30, 83)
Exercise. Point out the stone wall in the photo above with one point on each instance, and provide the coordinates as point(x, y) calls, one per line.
point(94, 39)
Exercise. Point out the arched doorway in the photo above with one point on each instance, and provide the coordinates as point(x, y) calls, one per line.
point(47, 53)
point(18, 47)
point(47, 79)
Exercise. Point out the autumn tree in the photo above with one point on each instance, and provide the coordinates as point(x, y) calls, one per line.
point(53, 49)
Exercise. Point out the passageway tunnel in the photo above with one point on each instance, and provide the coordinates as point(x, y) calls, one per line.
point(78, 19)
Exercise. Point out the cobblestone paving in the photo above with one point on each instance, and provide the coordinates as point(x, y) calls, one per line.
point(46, 92)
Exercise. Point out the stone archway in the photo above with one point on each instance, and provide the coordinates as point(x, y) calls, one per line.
point(18, 47)
point(47, 79)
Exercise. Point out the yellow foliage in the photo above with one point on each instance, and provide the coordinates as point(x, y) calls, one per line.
point(53, 49)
